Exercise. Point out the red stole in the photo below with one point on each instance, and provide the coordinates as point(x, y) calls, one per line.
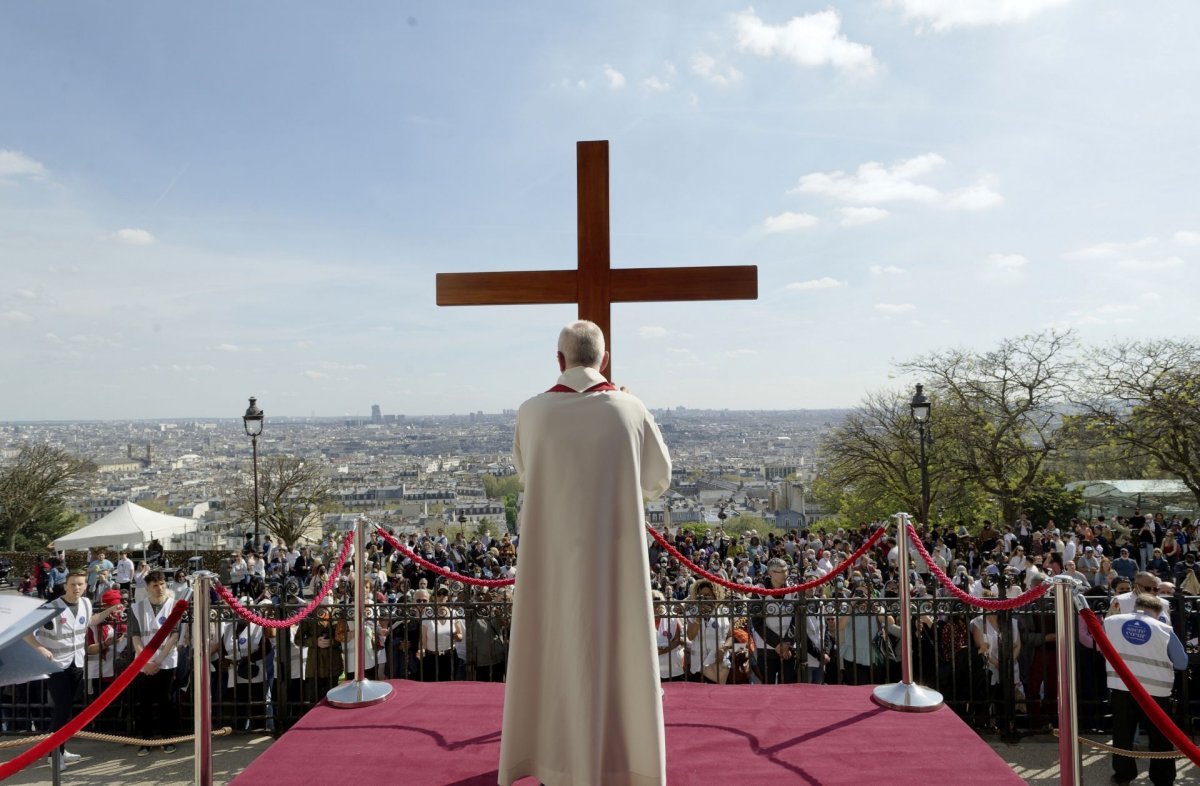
point(599, 386)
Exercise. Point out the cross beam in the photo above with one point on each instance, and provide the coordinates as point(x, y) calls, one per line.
point(594, 284)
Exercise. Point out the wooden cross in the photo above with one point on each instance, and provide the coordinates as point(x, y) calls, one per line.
point(594, 285)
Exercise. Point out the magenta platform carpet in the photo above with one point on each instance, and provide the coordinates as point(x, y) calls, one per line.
point(449, 733)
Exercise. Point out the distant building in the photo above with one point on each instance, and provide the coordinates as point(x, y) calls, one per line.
point(376, 414)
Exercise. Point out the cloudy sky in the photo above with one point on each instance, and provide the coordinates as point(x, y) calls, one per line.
point(202, 202)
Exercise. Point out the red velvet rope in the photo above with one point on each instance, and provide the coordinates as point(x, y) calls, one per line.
point(966, 597)
point(1144, 700)
point(772, 591)
point(256, 619)
point(15, 765)
point(438, 569)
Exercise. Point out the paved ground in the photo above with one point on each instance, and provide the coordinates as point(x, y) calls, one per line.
point(1034, 759)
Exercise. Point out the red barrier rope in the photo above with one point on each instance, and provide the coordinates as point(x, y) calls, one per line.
point(438, 569)
point(1144, 700)
point(253, 618)
point(89, 713)
point(966, 597)
point(772, 591)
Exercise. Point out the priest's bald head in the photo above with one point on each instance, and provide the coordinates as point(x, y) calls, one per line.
point(581, 344)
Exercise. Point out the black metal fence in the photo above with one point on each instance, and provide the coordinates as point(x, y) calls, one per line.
point(995, 671)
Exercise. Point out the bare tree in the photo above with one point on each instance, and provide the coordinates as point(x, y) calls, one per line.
point(33, 492)
point(1001, 409)
point(292, 496)
point(1145, 395)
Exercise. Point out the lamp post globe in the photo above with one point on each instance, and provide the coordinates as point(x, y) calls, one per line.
point(252, 422)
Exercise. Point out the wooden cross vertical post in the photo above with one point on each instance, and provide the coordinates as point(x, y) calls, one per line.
point(594, 284)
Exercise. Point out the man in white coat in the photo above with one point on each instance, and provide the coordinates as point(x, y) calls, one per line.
point(582, 702)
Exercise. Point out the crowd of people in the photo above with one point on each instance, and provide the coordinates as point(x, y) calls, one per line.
point(426, 627)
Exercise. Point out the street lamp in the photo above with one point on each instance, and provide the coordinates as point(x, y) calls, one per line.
point(462, 524)
point(252, 421)
point(920, 407)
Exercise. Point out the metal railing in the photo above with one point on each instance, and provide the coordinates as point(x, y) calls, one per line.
point(269, 681)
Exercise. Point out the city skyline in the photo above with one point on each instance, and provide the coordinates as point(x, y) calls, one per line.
point(202, 204)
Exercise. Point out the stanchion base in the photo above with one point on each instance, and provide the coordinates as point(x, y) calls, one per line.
point(350, 695)
point(909, 697)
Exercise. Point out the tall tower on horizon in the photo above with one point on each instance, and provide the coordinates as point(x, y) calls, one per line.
point(376, 414)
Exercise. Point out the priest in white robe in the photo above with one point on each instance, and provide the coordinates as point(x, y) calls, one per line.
point(582, 705)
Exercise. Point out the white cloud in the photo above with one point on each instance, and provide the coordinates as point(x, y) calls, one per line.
point(1185, 238)
point(226, 348)
point(13, 316)
point(892, 309)
point(873, 183)
point(656, 84)
point(857, 216)
point(740, 352)
point(977, 197)
point(943, 15)
point(315, 374)
point(811, 41)
point(1115, 308)
point(706, 66)
point(193, 369)
point(1150, 297)
point(652, 331)
point(616, 80)
point(888, 270)
point(15, 164)
point(1108, 250)
point(27, 294)
point(134, 237)
point(1004, 268)
point(789, 222)
point(816, 283)
point(342, 366)
point(1146, 265)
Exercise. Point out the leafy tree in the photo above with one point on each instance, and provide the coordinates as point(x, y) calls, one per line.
point(1047, 500)
point(293, 494)
point(33, 492)
point(1145, 396)
point(510, 512)
point(1000, 410)
point(501, 487)
point(485, 527)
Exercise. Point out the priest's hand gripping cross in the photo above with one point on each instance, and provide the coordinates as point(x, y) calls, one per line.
point(595, 285)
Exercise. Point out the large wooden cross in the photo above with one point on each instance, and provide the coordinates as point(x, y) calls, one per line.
point(595, 285)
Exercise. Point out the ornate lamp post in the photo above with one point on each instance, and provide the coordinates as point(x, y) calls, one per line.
point(920, 407)
point(252, 421)
point(462, 525)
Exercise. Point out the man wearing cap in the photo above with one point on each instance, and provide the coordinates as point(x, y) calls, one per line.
point(590, 456)
point(1143, 584)
point(1087, 561)
point(152, 687)
point(1153, 653)
point(1125, 565)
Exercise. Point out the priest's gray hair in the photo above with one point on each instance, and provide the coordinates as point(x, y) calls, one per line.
point(582, 344)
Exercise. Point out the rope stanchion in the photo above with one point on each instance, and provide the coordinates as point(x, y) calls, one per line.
point(774, 592)
point(438, 569)
point(966, 597)
point(1149, 706)
point(232, 602)
point(89, 713)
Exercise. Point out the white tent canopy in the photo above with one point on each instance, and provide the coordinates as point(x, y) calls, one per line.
point(128, 526)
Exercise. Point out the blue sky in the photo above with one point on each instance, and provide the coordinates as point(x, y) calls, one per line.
point(201, 203)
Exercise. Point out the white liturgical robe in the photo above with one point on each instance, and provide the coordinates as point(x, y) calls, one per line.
point(581, 703)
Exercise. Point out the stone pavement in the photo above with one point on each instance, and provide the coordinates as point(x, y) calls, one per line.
point(1034, 759)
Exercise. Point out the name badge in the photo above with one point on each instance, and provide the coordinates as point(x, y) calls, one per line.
point(62, 620)
point(82, 619)
point(242, 640)
point(162, 620)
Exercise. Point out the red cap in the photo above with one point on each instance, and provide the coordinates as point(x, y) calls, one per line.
point(110, 597)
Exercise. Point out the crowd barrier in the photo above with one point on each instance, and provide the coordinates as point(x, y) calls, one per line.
point(937, 648)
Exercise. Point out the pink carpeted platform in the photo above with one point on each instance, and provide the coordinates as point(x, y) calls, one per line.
point(449, 733)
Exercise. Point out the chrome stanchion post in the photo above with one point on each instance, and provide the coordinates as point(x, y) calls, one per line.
point(905, 695)
point(202, 677)
point(1069, 771)
point(56, 766)
point(360, 692)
